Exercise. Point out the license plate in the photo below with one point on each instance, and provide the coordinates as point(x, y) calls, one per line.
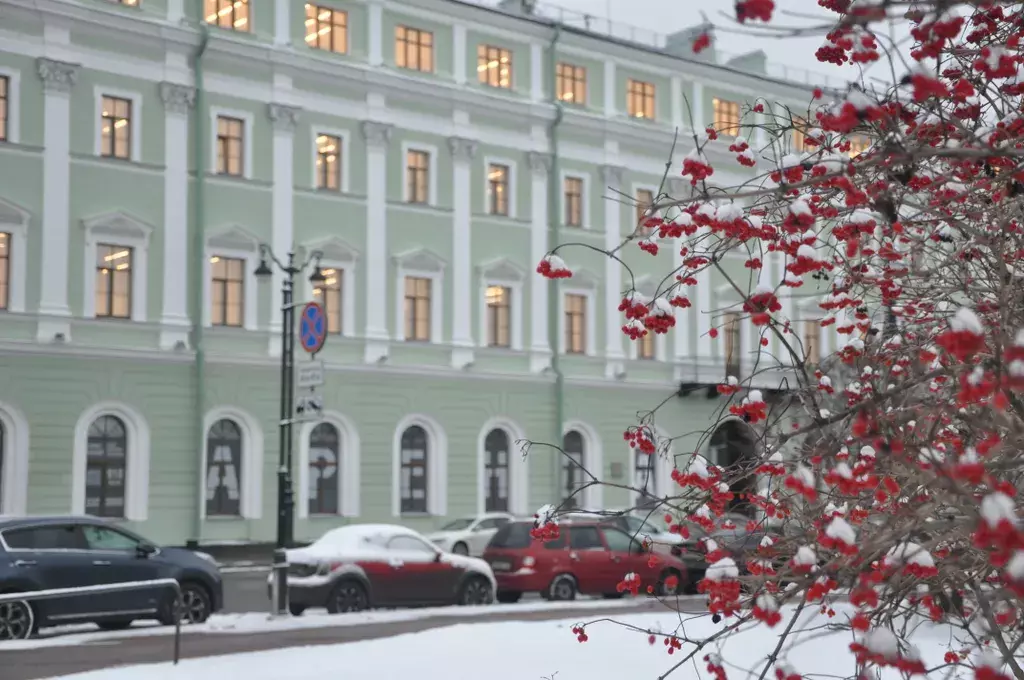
point(501, 565)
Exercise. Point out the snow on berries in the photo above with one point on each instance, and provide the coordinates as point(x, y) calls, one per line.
point(839, 536)
point(914, 559)
point(965, 336)
point(553, 267)
point(752, 408)
point(731, 386)
point(766, 609)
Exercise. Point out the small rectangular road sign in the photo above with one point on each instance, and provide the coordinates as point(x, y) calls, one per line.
point(309, 374)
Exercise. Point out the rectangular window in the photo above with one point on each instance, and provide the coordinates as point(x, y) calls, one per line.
point(227, 291)
point(414, 49)
point(575, 323)
point(640, 99)
point(499, 299)
point(5, 103)
point(573, 201)
point(497, 189)
point(858, 145)
point(327, 29)
point(230, 146)
point(116, 127)
point(130, 3)
point(113, 281)
point(494, 66)
point(5, 270)
point(328, 162)
point(329, 294)
point(417, 308)
point(571, 84)
point(799, 134)
point(812, 342)
point(644, 200)
point(726, 116)
point(230, 14)
point(417, 176)
point(731, 350)
point(645, 347)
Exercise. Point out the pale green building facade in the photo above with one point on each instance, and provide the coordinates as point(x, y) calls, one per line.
point(418, 147)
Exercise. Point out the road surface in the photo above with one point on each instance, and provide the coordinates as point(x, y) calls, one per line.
point(47, 662)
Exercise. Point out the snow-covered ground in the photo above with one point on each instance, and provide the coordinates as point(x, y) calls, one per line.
point(539, 650)
point(254, 622)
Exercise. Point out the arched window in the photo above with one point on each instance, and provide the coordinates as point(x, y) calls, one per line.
point(645, 478)
point(574, 462)
point(733, 448)
point(413, 479)
point(324, 459)
point(224, 469)
point(496, 472)
point(105, 467)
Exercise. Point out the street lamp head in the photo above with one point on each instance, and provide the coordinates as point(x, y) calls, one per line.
point(317, 278)
point(263, 270)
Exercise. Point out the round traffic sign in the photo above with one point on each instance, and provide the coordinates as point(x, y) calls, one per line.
point(312, 327)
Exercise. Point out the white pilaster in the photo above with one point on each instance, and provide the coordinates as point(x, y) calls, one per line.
point(536, 72)
point(786, 300)
point(175, 10)
point(681, 333)
point(703, 312)
point(676, 94)
point(540, 349)
point(58, 79)
point(609, 88)
point(460, 66)
point(462, 151)
point(611, 178)
point(174, 319)
point(282, 22)
point(377, 136)
point(283, 119)
point(697, 106)
point(376, 31)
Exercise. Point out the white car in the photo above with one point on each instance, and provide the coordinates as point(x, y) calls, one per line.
point(360, 566)
point(470, 535)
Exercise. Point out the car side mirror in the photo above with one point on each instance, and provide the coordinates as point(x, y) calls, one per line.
point(437, 557)
point(144, 550)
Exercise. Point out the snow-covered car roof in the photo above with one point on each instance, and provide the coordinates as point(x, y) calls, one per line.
point(361, 536)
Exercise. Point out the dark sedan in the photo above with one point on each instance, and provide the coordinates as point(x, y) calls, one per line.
point(41, 553)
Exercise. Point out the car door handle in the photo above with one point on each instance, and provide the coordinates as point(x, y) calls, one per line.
point(574, 556)
point(101, 563)
point(25, 563)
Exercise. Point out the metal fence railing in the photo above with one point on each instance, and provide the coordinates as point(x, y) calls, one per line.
point(58, 593)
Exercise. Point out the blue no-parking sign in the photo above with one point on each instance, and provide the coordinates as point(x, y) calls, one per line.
point(312, 327)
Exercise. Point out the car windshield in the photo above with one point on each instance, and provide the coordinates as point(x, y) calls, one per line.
point(458, 524)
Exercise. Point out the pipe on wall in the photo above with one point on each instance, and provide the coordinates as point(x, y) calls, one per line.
point(553, 284)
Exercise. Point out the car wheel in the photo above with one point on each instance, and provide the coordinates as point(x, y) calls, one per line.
point(666, 590)
point(692, 579)
point(563, 587)
point(17, 620)
point(193, 606)
point(475, 591)
point(460, 549)
point(347, 596)
point(296, 609)
point(508, 596)
point(114, 625)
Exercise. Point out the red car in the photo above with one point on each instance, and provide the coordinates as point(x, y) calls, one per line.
point(588, 557)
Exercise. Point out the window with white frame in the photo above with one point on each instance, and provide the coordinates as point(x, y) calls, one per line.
point(417, 176)
point(574, 464)
point(414, 49)
point(328, 162)
point(116, 127)
point(646, 346)
point(224, 485)
point(726, 116)
point(644, 200)
point(811, 342)
point(110, 463)
point(227, 291)
point(324, 469)
point(498, 189)
point(230, 146)
point(116, 269)
point(499, 316)
point(326, 28)
point(113, 281)
point(640, 99)
point(494, 66)
point(573, 201)
point(5, 270)
point(415, 470)
point(229, 14)
point(731, 348)
point(575, 313)
point(330, 294)
point(5, 105)
point(418, 303)
point(571, 84)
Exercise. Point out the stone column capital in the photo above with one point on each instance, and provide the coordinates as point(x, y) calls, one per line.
point(462, 149)
point(539, 162)
point(177, 98)
point(283, 117)
point(57, 76)
point(611, 175)
point(376, 134)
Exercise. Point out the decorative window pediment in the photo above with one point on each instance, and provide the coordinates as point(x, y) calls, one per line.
point(502, 269)
point(422, 260)
point(334, 249)
point(233, 237)
point(118, 225)
point(11, 214)
point(581, 278)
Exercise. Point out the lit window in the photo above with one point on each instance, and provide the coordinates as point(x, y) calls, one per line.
point(329, 295)
point(231, 14)
point(799, 134)
point(575, 323)
point(497, 189)
point(414, 49)
point(726, 116)
point(640, 99)
point(812, 342)
point(328, 162)
point(5, 270)
point(227, 291)
point(645, 346)
point(644, 200)
point(230, 153)
point(571, 84)
point(116, 128)
point(731, 351)
point(858, 145)
point(573, 202)
point(327, 29)
point(417, 308)
point(130, 3)
point(417, 175)
point(498, 306)
point(5, 100)
point(494, 66)
point(113, 281)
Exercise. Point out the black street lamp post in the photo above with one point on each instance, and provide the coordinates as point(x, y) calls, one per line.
point(285, 494)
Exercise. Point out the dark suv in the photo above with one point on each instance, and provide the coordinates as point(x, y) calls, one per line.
point(41, 553)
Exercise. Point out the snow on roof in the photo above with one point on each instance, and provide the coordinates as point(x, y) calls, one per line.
point(362, 535)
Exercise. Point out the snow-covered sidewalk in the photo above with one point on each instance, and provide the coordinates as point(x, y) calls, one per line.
point(549, 649)
point(254, 622)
